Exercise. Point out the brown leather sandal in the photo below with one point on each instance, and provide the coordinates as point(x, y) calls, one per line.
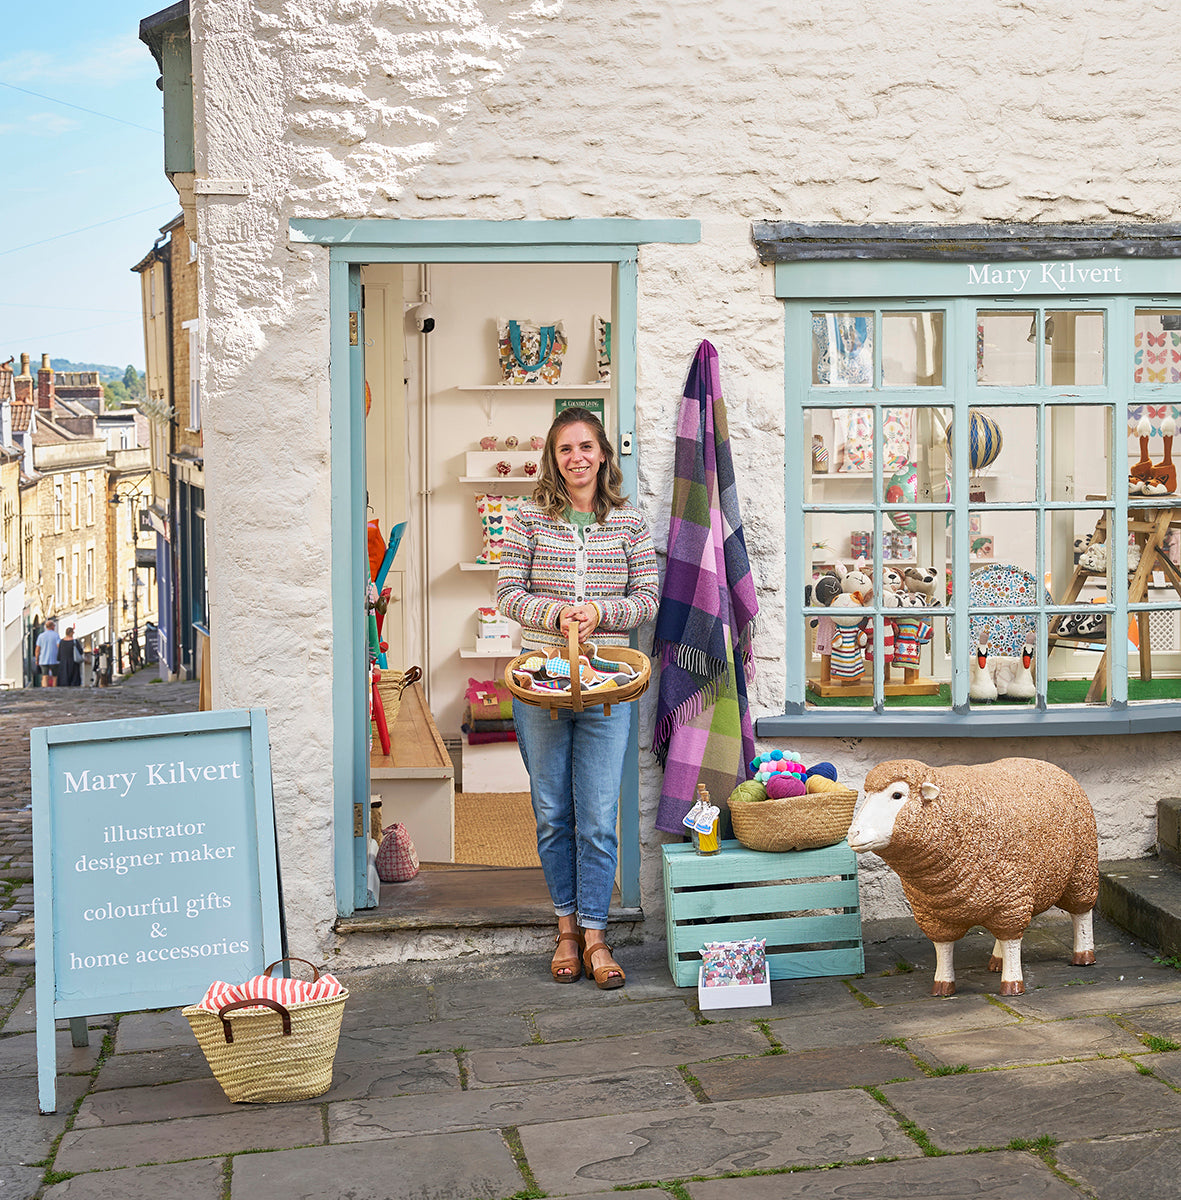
point(607, 975)
point(567, 968)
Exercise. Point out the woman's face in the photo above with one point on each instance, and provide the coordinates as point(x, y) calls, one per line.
point(578, 455)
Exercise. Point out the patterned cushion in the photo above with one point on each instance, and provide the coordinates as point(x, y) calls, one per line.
point(495, 513)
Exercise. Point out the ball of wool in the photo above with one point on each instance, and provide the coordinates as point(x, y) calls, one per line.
point(782, 786)
point(825, 768)
point(819, 783)
point(751, 792)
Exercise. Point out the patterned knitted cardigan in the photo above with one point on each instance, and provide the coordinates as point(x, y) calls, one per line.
point(538, 575)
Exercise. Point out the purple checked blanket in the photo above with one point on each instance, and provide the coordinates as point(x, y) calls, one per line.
point(703, 627)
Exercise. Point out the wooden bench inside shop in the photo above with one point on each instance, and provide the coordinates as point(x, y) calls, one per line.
point(415, 782)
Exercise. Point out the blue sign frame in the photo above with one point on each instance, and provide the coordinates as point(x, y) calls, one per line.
point(155, 870)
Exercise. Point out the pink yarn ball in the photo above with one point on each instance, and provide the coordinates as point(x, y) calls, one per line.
point(779, 787)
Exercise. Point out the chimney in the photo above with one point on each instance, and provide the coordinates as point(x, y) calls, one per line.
point(45, 391)
point(23, 383)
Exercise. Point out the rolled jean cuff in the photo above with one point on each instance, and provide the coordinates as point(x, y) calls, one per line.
point(591, 923)
point(565, 911)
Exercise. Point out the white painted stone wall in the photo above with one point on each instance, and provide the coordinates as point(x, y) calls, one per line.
point(723, 110)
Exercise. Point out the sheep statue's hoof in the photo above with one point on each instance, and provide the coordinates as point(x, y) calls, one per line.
point(1083, 958)
point(994, 963)
point(1012, 987)
point(942, 987)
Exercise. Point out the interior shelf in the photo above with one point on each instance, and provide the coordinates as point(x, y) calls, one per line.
point(475, 566)
point(500, 480)
point(598, 386)
point(512, 653)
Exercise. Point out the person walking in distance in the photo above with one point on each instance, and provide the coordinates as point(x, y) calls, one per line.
point(45, 653)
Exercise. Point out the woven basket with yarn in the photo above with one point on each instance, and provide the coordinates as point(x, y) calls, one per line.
point(390, 686)
point(796, 822)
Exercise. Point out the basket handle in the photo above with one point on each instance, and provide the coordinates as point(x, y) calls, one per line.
point(315, 970)
point(228, 1028)
point(413, 675)
point(575, 673)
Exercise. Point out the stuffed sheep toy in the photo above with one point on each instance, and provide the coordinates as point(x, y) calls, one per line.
point(990, 845)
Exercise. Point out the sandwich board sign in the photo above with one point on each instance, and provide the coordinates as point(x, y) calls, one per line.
point(154, 866)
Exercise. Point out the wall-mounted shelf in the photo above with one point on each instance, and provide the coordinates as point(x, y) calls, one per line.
point(475, 566)
point(476, 654)
point(500, 480)
point(597, 387)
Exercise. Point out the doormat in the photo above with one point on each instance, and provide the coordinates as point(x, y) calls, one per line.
point(495, 829)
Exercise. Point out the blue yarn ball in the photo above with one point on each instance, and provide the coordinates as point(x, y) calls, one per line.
point(754, 764)
point(825, 769)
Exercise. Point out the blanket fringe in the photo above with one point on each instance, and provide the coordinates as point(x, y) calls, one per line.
point(703, 667)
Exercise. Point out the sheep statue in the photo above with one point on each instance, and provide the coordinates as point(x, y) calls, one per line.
point(990, 845)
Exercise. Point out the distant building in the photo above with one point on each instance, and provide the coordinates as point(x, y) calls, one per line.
point(12, 583)
point(172, 411)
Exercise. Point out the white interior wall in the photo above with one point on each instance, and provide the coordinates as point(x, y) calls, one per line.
point(461, 352)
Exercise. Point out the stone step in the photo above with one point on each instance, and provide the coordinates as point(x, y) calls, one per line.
point(1143, 896)
point(1168, 829)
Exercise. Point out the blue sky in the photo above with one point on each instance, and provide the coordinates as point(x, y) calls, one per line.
point(65, 289)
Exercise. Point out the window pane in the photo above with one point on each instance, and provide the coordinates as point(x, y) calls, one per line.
point(1076, 459)
point(1073, 348)
point(1005, 352)
point(1157, 338)
point(912, 349)
point(842, 349)
point(1002, 637)
point(1151, 470)
point(846, 439)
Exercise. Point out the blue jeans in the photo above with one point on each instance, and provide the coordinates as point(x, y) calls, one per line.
point(575, 766)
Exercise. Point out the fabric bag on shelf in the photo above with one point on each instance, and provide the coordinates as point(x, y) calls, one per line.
point(530, 352)
point(397, 860)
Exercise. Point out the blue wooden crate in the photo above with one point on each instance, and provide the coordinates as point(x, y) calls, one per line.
point(804, 902)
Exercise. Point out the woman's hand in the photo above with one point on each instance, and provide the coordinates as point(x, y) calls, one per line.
point(587, 617)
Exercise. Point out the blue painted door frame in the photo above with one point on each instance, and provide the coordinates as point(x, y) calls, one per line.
point(352, 244)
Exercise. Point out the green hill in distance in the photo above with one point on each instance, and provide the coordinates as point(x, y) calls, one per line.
point(105, 373)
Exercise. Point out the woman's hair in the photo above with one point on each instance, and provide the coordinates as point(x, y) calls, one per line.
point(551, 496)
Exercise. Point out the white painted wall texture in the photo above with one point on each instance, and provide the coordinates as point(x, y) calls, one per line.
point(722, 110)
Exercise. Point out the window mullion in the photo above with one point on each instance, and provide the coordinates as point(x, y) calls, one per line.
point(797, 380)
point(961, 372)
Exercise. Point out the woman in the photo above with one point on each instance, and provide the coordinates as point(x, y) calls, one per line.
point(578, 554)
point(69, 661)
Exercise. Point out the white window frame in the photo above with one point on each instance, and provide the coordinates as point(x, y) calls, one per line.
point(193, 329)
point(59, 504)
point(89, 497)
point(59, 582)
point(89, 570)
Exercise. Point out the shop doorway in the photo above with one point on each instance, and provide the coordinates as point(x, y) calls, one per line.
point(609, 243)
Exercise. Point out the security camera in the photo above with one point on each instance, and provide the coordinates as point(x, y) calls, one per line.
point(423, 316)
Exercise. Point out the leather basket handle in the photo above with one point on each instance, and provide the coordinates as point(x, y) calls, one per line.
point(226, 1026)
point(315, 970)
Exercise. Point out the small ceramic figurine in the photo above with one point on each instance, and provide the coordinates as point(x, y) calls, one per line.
point(530, 469)
point(487, 443)
point(503, 468)
point(536, 443)
point(992, 844)
point(511, 442)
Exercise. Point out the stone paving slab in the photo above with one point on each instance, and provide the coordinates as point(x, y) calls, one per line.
point(1098, 994)
point(814, 1071)
point(21, 1183)
point(28, 1136)
point(575, 1157)
point(1032, 1042)
point(262, 1128)
point(1002, 1176)
point(454, 1166)
point(151, 1067)
point(18, 1055)
point(1167, 1065)
point(154, 1031)
point(365, 1009)
point(23, 1018)
point(524, 1104)
point(1162, 1021)
point(647, 1016)
point(201, 1180)
point(796, 998)
point(473, 1033)
point(1125, 1168)
point(1067, 1102)
point(863, 1026)
point(204, 1097)
point(556, 1061)
point(542, 994)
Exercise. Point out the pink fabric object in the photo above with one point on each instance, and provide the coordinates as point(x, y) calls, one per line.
point(285, 991)
point(397, 860)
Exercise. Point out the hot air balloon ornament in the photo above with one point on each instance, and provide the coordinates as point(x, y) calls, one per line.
point(984, 440)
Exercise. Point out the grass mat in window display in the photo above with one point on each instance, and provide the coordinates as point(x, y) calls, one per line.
point(1058, 691)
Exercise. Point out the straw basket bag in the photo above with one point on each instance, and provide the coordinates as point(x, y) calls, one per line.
point(796, 822)
point(390, 686)
point(576, 699)
point(274, 1052)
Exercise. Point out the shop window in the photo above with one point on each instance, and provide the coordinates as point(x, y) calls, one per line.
point(965, 479)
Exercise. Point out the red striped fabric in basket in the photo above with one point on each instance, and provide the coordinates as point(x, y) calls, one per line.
point(285, 991)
